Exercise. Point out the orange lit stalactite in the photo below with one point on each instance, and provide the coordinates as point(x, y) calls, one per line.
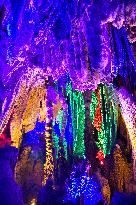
point(49, 164)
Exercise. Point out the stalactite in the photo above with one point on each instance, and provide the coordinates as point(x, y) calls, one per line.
point(63, 141)
point(49, 164)
point(78, 120)
point(121, 171)
point(104, 117)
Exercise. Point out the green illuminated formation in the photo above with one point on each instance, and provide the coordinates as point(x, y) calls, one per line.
point(76, 101)
point(108, 111)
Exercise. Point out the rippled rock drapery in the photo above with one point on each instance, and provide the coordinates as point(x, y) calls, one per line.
point(40, 38)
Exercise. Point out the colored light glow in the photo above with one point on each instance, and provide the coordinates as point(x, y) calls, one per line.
point(78, 120)
point(98, 116)
point(88, 186)
point(103, 114)
point(49, 164)
point(63, 136)
point(128, 109)
point(55, 139)
point(26, 110)
point(121, 171)
point(61, 119)
point(55, 41)
point(101, 162)
point(33, 202)
point(59, 133)
point(93, 106)
point(105, 136)
point(100, 156)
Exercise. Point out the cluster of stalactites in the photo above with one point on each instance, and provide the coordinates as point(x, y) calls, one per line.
point(103, 116)
point(61, 36)
point(52, 38)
